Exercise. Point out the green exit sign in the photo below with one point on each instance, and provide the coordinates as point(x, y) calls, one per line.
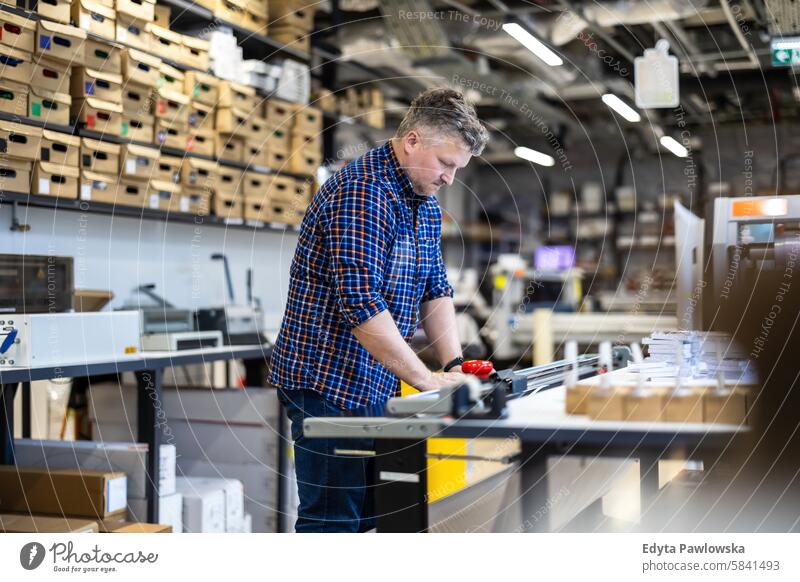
point(786, 52)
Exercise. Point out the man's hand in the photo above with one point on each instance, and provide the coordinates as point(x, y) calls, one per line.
point(436, 381)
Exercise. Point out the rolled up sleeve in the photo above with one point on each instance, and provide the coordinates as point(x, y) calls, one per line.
point(357, 228)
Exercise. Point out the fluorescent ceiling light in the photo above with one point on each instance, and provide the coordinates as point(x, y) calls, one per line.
point(534, 156)
point(672, 145)
point(533, 44)
point(621, 107)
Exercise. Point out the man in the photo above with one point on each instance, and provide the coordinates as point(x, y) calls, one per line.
point(367, 270)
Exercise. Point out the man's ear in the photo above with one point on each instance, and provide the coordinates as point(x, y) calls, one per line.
point(412, 141)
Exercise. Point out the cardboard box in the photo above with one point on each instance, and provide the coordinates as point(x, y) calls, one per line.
point(325, 100)
point(15, 99)
point(684, 405)
point(195, 201)
point(233, 11)
point(647, 405)
point(194, 52)
point(141, 68)
point(132, 31)
point(203, 507)
point(137, 99)
point(168, 169)
point(60, 42)
point(227, 206)
point(141, 9)
point(170, 135)
point(97, 187)
point(305, 162)
point(293, 37)
point(255, 185)
point(229, 147)
point(21, 523)
point(278, 114)
point(290, 190)
point(16, 64)
point(48, 106)
point(84, 493)
point(171, 79)
point(279, 140)
point(100, 156)
point(607, 404)
point(201, 141)
point(138, 127)
point(725, 406)
point(164, 196)
point(170, 510)
point(200, 173)
point(271, 212)
point(233, 500)
point(578, 398)
point(233, 121)
point(202, 87)
point(164, 42)
point(113, 457)
point(297, 13)
point(19, 32)
point(300, 140)
point(104, 117)
point(237, 95)
point(134, 193)
point(173, 108)
point(161, 15)
point(102, 56)
point(55, 9)
point(54, 180)
point(201, 116)
point(89, 83)
point(277, 160)
point(59, 148)
point(255, 22)
point(306, 120)
point(19, 141)
point(229, 180)
point(93, 17)
point(51, 75)
point(15, 175)
point(255, 153)
point(138, 162)
point(122, 526)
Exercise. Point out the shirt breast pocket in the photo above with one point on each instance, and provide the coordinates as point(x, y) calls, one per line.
point(401, 261)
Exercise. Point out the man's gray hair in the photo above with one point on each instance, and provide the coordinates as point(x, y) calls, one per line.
point(447, 111)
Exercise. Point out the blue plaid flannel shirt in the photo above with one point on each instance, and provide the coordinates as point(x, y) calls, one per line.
point(367, 243)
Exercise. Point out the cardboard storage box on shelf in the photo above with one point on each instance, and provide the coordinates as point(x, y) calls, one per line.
point(59, 148)
point(164, 196)
point(685, 405)
point(103, 117)
point(132, 31)
point(203, 507)
point(164, 42)
point(228, 147)
point(60, 42)
point(229, 180)
point(99, 156)
point(15, 99)
point(20, 141)
point(202, 87)
point(139, 67)
point(25, 523)
point(256, 184)
point(96, 187)
point(277, 160)
point(137, 98)
point(228, 207)
point(82, 493)
point(292, 36)
point(233, 495)
point(170, 510)
point(255, 153)
point(55, 180)
point(306, 119)
point(278, 113)
point(232, 121)
point(18, 31)
point(304, 140)
point(138, 127)
point(201, 116)
point(278, 189)
point(279, 140)
point(133, 193)
point(272, 212)
point(141, 9)
point(16, 175)
point(201, 141)
point(234, 11)
point(168, 169)
point(55, 9)
point(170, 135)
point(102, 56)
point(294, 191)
point(123, 526)
point(727, 406)
point(237, 95)
point(173, 108)
point(297, 13)
point(195, 200)
point(17, 64)
point(138, 162)
point(51, 75)
point(161, 15)
point(113, 457)
point(254, 22)
point(608, 404)
point(194, 52)
point(305, 162)
point(89, 83)
point(171, 79)
point(200, 173)
point(325, 100)
point(93, 17)
point(647, 404)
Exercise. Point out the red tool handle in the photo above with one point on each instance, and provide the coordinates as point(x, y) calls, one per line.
point(479, 368)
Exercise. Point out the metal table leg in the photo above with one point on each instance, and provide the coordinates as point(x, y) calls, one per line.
point(536, 504)
point(7, 393)
point(401, 486)
point(151, 420)
point(26, 410)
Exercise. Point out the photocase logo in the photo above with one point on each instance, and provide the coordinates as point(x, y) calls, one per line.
point(31, 555)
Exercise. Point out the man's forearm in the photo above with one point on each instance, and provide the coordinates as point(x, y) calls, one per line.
point(381, 338)
point(439, 322)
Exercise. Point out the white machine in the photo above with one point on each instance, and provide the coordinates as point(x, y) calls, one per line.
point(59, 339)
point(182, 340)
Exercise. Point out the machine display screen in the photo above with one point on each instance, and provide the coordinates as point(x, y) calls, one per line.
point(554, 258)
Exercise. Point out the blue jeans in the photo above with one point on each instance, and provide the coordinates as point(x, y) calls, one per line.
point(336, 491)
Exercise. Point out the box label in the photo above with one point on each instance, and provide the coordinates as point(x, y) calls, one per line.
point(89, 87)
point(153, 200)
point(44, 42)
point(130, 166)
point(86, 191)
point(116, 494)
point(184, 204)
point(85, 21)
point(44, 186)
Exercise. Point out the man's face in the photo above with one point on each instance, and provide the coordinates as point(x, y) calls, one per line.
point(432, 161)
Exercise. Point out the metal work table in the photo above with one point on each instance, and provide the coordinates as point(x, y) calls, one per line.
point(540, 423)
point(148, 368)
